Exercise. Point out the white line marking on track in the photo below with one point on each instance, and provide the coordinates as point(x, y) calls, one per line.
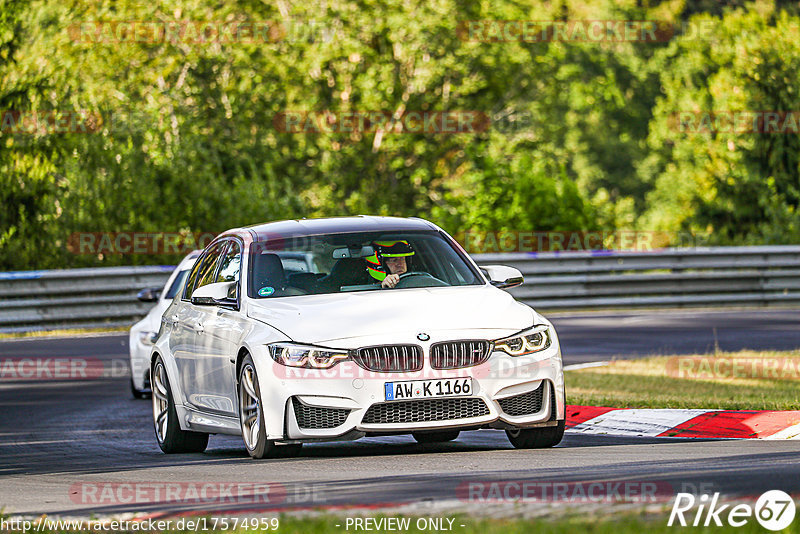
point(792, 432)
point(576, 366)
point(634, 422)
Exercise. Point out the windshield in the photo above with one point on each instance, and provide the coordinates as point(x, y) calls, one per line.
point(339, 263)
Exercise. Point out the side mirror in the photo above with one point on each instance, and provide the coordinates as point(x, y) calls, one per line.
point(149, 294)
point(219, 294)
point(502, 277)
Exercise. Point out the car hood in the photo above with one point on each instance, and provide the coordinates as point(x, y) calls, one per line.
point(394, 315)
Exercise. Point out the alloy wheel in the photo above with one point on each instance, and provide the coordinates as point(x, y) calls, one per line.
point(249, 407)
point(160, 401)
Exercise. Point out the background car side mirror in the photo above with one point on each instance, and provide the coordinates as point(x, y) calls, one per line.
point(218, 294)
point(149, 294)
point(502, 277)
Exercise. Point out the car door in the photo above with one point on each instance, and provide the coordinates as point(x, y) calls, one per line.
point(182, 335)
point(193, 365)
point(221, 337)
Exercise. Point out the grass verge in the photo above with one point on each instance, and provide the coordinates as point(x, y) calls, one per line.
point(746, 380)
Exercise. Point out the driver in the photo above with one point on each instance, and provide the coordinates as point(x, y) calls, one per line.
point(390, 260)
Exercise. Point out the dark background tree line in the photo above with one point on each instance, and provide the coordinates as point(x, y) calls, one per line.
point(581, 137)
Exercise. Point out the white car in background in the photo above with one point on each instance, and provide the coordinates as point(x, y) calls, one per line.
point(307, 330)
point(142, 334)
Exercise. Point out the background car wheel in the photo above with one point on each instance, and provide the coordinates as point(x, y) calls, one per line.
point(439, 436)
point(536, 438)
point(251, 414)
point(171, 438)
point(137, 393)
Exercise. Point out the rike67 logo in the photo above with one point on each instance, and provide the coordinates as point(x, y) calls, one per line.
point(774, 510)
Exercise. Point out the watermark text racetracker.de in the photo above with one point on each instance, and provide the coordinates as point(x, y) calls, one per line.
point(585, 31)
point(367, 121)
point(22, 369)
point(207, 493)
point(585, 491)
point(499, 241)
point(495, 368)
point(733, 367)
point(125, 243)
point(735, 122)
point(51, 121)
point(201, 32)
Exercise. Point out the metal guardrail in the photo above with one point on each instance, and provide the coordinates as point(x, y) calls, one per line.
point(76, 298)
point(554, 281)
point(667, 278)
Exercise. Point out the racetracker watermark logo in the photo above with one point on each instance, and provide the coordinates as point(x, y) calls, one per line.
point(721, 367)
point(591, 31)
point(481, 242)
point(51, 122)
point(201, 32)
point(774, 510)
point(367, 121)
point(596, 491)
point(138, 242)
point(736, 122)
point(533, 31)
point(34, 369)
point(503, 367)
point(206, 493)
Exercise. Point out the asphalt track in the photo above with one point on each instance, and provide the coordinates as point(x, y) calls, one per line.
point(60, 441)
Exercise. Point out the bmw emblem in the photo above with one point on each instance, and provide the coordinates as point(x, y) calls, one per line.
point(422, 336)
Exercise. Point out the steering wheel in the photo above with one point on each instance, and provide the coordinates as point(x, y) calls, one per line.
point(419, 279)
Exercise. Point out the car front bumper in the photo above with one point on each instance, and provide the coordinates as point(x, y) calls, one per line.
point(348, 401)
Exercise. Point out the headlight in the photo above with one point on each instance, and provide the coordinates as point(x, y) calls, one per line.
point(527, 342)
point(293, 355)
point(148, 338)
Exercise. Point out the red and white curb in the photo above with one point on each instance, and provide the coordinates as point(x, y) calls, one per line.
point(674, 423)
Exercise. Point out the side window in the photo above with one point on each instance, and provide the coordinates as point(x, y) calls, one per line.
point(192, 280)
point(207, 272)
point(229, 268)
point(203, 271)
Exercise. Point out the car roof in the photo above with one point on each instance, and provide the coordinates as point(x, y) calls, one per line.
point(336, 225)
point(189, 259)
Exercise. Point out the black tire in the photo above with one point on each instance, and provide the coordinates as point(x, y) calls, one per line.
point(257, 445)
point(170, 437)
point(539, 438)
point(439, 436)
point(138, 393)
point(536, 438)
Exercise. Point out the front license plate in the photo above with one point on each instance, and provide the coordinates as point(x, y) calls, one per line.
point(423, 389)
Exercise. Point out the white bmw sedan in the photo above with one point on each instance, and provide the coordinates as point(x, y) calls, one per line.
point(385, 326)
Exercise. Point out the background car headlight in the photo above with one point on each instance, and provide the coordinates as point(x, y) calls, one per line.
point(148, 338)
point(534, 340)
point(293, 355)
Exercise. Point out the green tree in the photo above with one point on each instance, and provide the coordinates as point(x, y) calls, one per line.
point(739, 187)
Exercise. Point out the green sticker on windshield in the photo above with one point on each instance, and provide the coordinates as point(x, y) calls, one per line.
point(266, 291)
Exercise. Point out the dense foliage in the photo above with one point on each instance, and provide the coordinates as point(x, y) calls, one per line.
point(184, 136)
